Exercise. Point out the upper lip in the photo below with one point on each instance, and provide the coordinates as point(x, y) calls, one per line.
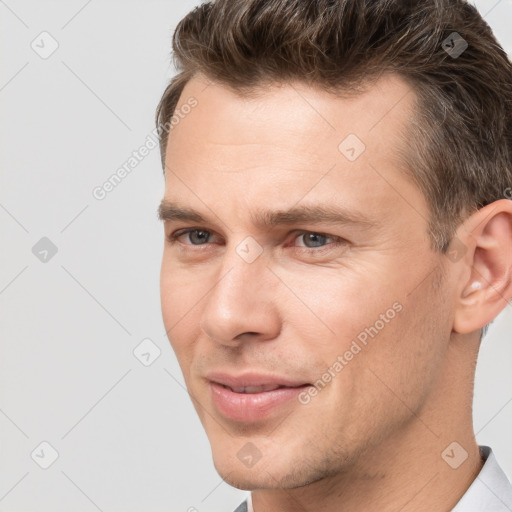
point(251, 379)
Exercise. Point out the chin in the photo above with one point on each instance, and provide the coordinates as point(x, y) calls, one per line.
point(244, 482)
point(280, 472)
point(260, 474)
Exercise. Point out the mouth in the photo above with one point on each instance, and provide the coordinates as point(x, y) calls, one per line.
point(250, 398)
point(257, 389)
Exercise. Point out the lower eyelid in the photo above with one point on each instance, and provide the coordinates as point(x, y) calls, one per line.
point(320, 250)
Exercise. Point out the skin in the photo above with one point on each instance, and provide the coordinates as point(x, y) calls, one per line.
point(373, 437)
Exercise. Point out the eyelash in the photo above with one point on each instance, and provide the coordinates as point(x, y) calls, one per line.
point(337, 241)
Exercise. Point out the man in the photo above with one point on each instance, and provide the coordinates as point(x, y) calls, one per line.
point(338, 237)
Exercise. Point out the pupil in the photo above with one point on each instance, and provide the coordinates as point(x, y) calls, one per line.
point(200, 235)
point(313, 237)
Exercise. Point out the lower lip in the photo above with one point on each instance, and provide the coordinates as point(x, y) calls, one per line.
point(249, 407)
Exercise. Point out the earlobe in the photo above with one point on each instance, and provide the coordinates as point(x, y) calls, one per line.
point(488, 236)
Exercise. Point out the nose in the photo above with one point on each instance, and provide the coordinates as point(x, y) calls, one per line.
point(242, 303)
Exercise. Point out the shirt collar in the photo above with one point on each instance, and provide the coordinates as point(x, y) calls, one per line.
point(249, 503)
point(491, 489)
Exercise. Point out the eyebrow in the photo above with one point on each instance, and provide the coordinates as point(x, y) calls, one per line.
point(304, 214)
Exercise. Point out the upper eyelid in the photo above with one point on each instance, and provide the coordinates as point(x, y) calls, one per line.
point(296, 233)
point(184, 231)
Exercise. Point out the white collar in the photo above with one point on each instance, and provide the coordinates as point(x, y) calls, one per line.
point(490, 490)
point(249, 503)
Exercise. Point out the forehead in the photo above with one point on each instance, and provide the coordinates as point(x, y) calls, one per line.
point(281, 113)
point(289, 139)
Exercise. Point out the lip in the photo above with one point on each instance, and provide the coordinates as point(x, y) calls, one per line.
point(253, 379)
point(251, 407)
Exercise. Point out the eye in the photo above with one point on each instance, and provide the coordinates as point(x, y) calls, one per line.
point(312, 240)
point(195, 236)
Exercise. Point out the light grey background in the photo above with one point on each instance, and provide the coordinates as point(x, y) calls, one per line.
point(127, 435)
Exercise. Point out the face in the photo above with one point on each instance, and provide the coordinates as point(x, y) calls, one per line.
point(298, 259)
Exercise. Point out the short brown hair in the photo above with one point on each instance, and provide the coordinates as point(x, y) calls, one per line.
point(459, 148)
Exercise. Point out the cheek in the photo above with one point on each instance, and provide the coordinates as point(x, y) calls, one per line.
point(335, 306)
point(180, 301)
point(379, 329)
point(402, 361)
point(179, 291)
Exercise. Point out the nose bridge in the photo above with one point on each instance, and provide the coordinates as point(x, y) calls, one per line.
point(239, 300)
point(244, 257)
point(240, 276)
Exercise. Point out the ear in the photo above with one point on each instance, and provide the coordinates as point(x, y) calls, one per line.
point(484, 243)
